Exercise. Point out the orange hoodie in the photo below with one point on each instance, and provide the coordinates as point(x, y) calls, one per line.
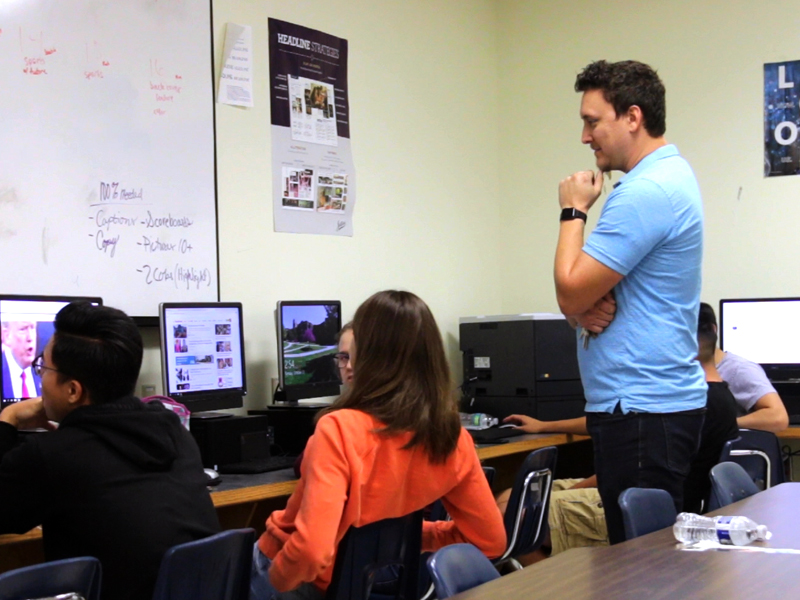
point(353, 476)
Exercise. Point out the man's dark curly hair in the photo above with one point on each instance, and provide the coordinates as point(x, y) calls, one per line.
point(625, 84)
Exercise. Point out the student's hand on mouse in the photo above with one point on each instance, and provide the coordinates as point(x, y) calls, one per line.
point(26, 414)
point(525, 423)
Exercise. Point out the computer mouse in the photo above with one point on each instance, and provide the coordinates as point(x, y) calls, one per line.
point(212, 477)
point(507, 426)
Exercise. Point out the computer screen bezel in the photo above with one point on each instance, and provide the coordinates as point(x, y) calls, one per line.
point(96, 300)
point(293, 393)
point(776, 372)
point(202, 400)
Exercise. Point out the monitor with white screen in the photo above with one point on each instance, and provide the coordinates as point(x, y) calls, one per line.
point(26, 325)
point(202, 354)
point(765, 331)
point(307, 340)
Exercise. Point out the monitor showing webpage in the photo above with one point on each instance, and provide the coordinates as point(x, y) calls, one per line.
point(26, 325)
point(202, 349)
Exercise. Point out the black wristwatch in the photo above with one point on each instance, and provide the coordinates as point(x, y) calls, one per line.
point(568, 214)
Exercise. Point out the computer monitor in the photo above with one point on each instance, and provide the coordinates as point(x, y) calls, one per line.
point(307, 341)
point(202, 354)
point(765, 331)
point(26, 325)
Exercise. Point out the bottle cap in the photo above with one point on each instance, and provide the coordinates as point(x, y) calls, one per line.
point(762, 534)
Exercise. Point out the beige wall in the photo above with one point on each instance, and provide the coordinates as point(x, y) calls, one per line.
point(463, 121)
point(423, 98)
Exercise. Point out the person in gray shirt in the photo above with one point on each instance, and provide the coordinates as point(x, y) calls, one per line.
point(760, 406)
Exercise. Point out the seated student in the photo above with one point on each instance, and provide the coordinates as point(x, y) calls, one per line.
point(342, 357)
point(118, 479)
point(389, 446)
point(719, 425)
point(760, 406)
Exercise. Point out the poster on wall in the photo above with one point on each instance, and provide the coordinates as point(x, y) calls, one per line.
point(781, 118)
point(313, 177)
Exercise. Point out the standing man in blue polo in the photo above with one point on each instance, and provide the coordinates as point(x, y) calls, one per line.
point(635, 283)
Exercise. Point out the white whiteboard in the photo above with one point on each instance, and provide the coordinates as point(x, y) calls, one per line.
point(107, 165)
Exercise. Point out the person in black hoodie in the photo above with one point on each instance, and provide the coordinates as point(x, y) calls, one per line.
point(117, 479)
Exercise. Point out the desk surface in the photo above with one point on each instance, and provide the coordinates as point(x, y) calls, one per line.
point(237, 489)
point(654, 566)
point(243, 489)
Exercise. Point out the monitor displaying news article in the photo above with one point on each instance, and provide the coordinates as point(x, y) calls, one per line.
point(26, 325)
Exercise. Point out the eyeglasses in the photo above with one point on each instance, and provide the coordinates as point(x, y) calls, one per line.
point(341, 359)
point(38, 366)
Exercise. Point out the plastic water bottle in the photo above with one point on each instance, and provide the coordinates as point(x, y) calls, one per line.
point(734, 531)
point(477, 421)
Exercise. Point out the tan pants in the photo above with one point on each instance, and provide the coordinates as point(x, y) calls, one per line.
point(576, 517)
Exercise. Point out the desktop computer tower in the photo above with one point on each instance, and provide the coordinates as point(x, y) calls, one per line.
point(525, 364)
point(231, 440)
point(293, 425)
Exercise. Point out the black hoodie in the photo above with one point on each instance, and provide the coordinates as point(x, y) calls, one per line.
point(120, 481)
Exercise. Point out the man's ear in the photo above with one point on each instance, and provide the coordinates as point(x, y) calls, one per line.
point(635, 118)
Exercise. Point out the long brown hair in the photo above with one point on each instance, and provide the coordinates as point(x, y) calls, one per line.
point(400, 374)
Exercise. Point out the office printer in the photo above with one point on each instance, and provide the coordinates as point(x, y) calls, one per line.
point(525, 364)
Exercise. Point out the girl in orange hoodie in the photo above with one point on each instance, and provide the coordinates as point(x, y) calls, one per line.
point(390, 445)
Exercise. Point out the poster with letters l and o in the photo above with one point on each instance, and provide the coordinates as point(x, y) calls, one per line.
point(314, 187)
point(781, 118)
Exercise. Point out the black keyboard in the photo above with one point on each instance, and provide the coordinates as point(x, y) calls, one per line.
point(259, 465)
point(794, 419)
point(486, 436)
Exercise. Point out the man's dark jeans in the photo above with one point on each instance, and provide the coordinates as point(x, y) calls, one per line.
point(646, 450)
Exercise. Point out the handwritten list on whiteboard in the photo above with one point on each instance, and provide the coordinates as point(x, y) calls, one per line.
point(107, 185)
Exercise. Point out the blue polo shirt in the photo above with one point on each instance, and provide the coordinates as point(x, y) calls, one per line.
point(650, 231)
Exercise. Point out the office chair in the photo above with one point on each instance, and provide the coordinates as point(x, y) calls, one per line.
point(725, 455)
point(646, 510)
point(729, 483)
point(759, 453)
point(72, 575)
point(214, 568)
point(459, 567)
point(528, 506)
point(390, 545)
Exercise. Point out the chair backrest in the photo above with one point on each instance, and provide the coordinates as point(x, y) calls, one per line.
point(459, 567)
point(725, 455)
point(390, 545)
point(729, 483)
point(645, 510)
point(759, 453)
point(214, 568)
point(526, 512)
point(80, 575)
